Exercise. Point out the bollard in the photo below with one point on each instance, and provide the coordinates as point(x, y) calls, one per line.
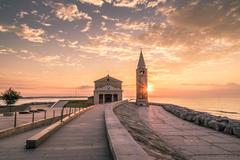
point(45, 114)
point(75, 110)
point(15, 120)
point(32, 117)
point(53, 113)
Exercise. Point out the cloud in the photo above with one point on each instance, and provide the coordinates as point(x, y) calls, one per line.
point(6, 51)
point(134, 26)
point(116, 45)
point(93, 2)
point(48, 59)
point(66, 43)
point(165, 10)
point(72, 44)
point(22, 14)
point(25, 32)
point(87, 27)
point(34, 12)
point(31, 34)
point(103, 26)
point(155, 3)
point(214, 85)
point(69, 12)
point(124, 3)
point(109, 18)
point(7, 82)
point(221, 18)
point(45, 24)
point(193, 34)
point(7, 28)
point(128, 3)
point(85, 87)
point(208, 90)
point(43, 19)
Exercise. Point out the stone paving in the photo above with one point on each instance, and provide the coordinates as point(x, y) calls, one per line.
point(195, 142)
point(83, 138)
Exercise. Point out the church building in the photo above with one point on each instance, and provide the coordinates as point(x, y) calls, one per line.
point(107, 89)
point(141, 82)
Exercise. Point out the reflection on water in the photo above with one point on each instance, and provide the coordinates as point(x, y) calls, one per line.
point(29, 100)
point(229, 107)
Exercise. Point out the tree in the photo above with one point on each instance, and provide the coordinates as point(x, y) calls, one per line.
point(10, 97)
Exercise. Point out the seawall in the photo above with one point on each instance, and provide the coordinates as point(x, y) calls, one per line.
point(218, 123)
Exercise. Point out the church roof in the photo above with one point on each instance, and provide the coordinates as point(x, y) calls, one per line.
point(141, 62)
point(107, 78)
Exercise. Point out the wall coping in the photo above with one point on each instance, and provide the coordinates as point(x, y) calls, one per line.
point(122, 144)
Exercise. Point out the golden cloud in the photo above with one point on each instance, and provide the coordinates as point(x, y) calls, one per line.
point(69, 12)
point(31, 34)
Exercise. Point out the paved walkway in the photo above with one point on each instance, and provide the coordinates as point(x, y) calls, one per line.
point(83, 138)
point(196, 142)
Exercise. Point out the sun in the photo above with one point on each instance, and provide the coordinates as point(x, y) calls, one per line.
point(150, 88)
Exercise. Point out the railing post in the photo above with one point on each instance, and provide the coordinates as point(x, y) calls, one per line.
point(15, 120)
point(53, 113)
point(32, 117)
point(45, 114)
point(62, 114)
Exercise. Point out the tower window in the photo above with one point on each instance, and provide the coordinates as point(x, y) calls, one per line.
point(141, 72)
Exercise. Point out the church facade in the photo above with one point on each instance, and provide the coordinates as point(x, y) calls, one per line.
point(107, 89)
point(141, 82)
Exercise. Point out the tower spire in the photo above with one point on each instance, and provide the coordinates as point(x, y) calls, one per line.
point(141, 82)
point(141, 62)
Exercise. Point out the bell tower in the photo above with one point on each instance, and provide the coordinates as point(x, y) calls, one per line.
point(141, 82)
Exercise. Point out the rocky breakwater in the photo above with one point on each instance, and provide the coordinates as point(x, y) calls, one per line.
point(218, 123)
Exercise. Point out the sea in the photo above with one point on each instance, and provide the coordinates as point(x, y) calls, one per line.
point(29, 100)
point(227, 107)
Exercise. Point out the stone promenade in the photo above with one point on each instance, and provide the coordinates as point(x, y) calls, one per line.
point(83, 138)
point(195, 142)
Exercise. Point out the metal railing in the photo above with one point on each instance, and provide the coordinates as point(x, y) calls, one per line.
point(23, 117)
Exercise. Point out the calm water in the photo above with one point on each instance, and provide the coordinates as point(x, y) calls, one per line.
point(28, 100)
point(229, 107)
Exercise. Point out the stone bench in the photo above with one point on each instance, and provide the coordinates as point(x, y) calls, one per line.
point(39, 138)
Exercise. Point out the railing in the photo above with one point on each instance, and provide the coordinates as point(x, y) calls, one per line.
point(22, 117)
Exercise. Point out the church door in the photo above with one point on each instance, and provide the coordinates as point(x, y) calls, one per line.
point(108, 98)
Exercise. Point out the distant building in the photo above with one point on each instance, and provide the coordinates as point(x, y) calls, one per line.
point(107, 89)
point(141, 82)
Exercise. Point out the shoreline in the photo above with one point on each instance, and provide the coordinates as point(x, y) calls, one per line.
point(219, 123)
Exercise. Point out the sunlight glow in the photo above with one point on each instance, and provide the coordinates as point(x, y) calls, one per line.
point(150, 88)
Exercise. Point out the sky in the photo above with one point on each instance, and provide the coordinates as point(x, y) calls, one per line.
point(191, 47)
